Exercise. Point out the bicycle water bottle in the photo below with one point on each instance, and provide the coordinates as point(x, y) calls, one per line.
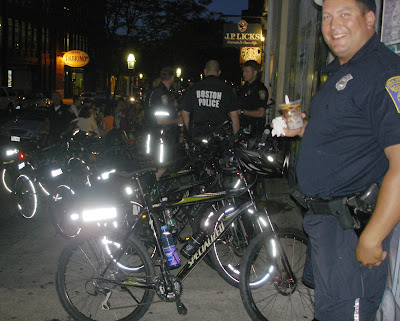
point(169, 248)
point(193, 244)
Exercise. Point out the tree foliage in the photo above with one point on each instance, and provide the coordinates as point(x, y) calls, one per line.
point(165, 32)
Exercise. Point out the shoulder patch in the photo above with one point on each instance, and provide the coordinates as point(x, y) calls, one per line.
point(393, 88)
point(262, 94)
point(164, 100)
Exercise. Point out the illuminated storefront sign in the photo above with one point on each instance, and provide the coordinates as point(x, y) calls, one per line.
point(76, 58)
point(242, 34)
point(250, 53)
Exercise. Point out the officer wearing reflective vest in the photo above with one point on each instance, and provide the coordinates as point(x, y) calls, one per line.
point(162, 119)
point(351, 140)
point(253, 98)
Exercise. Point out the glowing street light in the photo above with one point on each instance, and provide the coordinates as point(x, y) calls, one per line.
point(140, 76)
point(131, 61)
point(178, 72)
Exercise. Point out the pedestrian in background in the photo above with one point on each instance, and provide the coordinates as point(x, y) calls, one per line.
point(59, 118)
point(76, 105)
point(86, 121)
point(350, 142)
point(108, 120)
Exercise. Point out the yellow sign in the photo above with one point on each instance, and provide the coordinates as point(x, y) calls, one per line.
point(250, 53)
point(76, 58)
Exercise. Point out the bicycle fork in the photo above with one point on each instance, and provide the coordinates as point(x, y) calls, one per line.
point(280, 260)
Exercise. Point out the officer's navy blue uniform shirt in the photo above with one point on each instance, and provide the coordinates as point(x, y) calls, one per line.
point(251, 97)
point(209, 102)
point(160, 100)
point(353, 118)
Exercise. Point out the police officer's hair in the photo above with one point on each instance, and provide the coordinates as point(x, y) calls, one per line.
point(213, 66)
point(252, 64)
point(166, 73)
point(363, 7)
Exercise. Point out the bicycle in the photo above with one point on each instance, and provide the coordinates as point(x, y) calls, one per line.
point(112, 276)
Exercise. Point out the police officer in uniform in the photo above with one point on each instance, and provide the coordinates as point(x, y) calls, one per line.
point(209, 103)
point(351, 141)
point(253, 97)
point(161, 119)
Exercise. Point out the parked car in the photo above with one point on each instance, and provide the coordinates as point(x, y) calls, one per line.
point(32, 101)
point(88, 94)
point(27, 126)
point(8, 100)
point(100, 95)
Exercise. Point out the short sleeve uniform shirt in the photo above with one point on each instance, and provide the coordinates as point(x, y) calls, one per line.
point(353, 118)
point(209, 102)
point(253, 96)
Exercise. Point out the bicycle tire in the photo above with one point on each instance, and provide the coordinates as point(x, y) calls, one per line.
point(83, 294)
point(25, 196)
point(264, 292)
point(226, 254)
point(59, 211)
point(8, 177)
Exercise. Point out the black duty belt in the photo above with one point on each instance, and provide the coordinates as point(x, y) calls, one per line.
point(318, 206)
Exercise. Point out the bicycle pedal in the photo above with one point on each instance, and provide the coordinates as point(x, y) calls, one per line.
point(181, 307)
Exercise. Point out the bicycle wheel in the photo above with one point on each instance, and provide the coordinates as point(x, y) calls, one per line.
point(87, 292)
point(62, 200)
point(8, 176)
point(267, 292)
point(25, 196)
point(227, 253)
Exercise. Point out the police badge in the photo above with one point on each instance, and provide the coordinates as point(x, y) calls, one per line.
point(393, 88)
point(342, 83)
point(164, 100)
point(262, 94)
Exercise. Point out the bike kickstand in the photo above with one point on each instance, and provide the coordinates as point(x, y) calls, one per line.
point(181, 307)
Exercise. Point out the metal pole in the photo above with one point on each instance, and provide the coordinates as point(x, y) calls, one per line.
point(268, 45)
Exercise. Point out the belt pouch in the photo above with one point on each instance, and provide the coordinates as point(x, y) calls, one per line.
point(339, 209)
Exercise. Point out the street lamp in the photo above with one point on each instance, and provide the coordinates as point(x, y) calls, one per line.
point(131, 63)
point(178, 76)
point(178, 72)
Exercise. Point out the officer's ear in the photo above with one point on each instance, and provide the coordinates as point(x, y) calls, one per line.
point(370, 16)
point(219, 73)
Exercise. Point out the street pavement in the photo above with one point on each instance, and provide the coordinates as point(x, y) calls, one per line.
point(29, 250)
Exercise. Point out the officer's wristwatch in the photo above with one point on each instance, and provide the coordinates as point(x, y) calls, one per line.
point(241, 111)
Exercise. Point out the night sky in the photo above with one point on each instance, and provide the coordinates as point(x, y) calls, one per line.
point(233, 7)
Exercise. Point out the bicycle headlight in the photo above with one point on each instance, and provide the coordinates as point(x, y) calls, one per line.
point(56, 172)
point(99, 214)
point(11, 152)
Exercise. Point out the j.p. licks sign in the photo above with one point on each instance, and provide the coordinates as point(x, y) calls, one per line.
point(242, 34)
point(76, 58)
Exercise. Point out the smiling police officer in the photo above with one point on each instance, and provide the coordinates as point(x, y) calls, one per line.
point(352, 140)
point(253, 97)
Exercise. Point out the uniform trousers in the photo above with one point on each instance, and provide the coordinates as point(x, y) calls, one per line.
point(344, 289)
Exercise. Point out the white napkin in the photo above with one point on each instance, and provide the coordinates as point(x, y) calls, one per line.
point(278, 125)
